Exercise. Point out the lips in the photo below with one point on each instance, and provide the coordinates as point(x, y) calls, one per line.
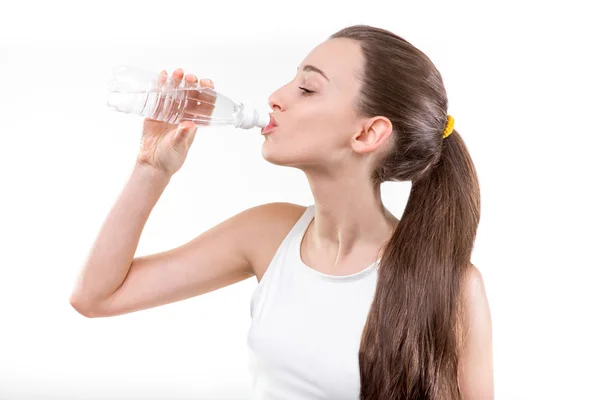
point(269, 128)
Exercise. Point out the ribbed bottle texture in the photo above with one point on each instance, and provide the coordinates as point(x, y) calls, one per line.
point(136, 91)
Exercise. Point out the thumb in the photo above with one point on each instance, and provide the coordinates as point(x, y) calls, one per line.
point(179, 140)
point(191, 136)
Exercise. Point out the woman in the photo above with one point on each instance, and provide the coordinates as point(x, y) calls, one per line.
point(351, 303)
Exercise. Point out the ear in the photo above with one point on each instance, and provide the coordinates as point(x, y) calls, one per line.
point(374, 132)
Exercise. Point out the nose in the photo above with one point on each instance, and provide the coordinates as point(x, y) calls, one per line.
point(275, 102)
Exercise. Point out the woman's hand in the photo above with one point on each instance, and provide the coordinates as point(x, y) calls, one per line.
point(164, 146)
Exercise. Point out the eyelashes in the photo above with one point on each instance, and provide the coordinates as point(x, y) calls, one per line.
point(305, 92)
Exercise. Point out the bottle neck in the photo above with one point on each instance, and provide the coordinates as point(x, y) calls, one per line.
point(249, 118)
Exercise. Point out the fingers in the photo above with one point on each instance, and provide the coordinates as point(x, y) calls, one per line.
point(162, 78)
point(190, 80)
point(205, 101)
point(177, 77)
point(208, 83)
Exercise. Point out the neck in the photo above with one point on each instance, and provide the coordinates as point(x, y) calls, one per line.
point(350, 222)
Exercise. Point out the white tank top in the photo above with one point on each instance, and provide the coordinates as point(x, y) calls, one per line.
point(307, 326)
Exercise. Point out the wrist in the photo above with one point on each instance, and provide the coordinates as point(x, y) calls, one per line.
point(146, 171)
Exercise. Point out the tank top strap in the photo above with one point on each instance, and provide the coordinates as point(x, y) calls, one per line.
point(282, 254)
point(297, 232)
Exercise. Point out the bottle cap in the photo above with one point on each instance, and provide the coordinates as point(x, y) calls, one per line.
point(252, 118)
point(264, 119)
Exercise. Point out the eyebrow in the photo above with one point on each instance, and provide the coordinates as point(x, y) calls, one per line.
point(315, 69)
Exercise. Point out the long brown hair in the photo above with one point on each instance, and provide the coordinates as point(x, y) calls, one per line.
point(411, 340)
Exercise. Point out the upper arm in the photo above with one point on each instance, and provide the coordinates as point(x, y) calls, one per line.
point(476, 361)
point(219, 257)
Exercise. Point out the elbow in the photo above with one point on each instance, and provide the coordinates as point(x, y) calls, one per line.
point(82, 308)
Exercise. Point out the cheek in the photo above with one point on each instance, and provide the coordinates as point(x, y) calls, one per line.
point(333, 126)
point(311, 131)
point(320, 118)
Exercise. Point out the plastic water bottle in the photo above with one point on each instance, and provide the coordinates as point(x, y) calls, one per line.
point(144, 93)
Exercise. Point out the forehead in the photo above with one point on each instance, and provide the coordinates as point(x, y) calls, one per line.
point(340, 59)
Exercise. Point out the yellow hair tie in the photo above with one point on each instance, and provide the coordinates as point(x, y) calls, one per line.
point(449, 127)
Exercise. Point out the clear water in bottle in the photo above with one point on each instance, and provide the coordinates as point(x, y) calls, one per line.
point(135, 91)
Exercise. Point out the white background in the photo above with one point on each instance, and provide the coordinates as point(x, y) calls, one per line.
point(522, 80)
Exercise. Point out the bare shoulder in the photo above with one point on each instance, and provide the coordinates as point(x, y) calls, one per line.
point(476, 358)
point(474, 282)
point(475, 292)
point(270, 224)
point(476, 311)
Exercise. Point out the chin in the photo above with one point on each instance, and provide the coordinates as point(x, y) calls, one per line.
point(274, 158)
point(278, 157)
point(290, 155)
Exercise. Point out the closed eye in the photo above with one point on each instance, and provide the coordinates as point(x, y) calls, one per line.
point(306, 91)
